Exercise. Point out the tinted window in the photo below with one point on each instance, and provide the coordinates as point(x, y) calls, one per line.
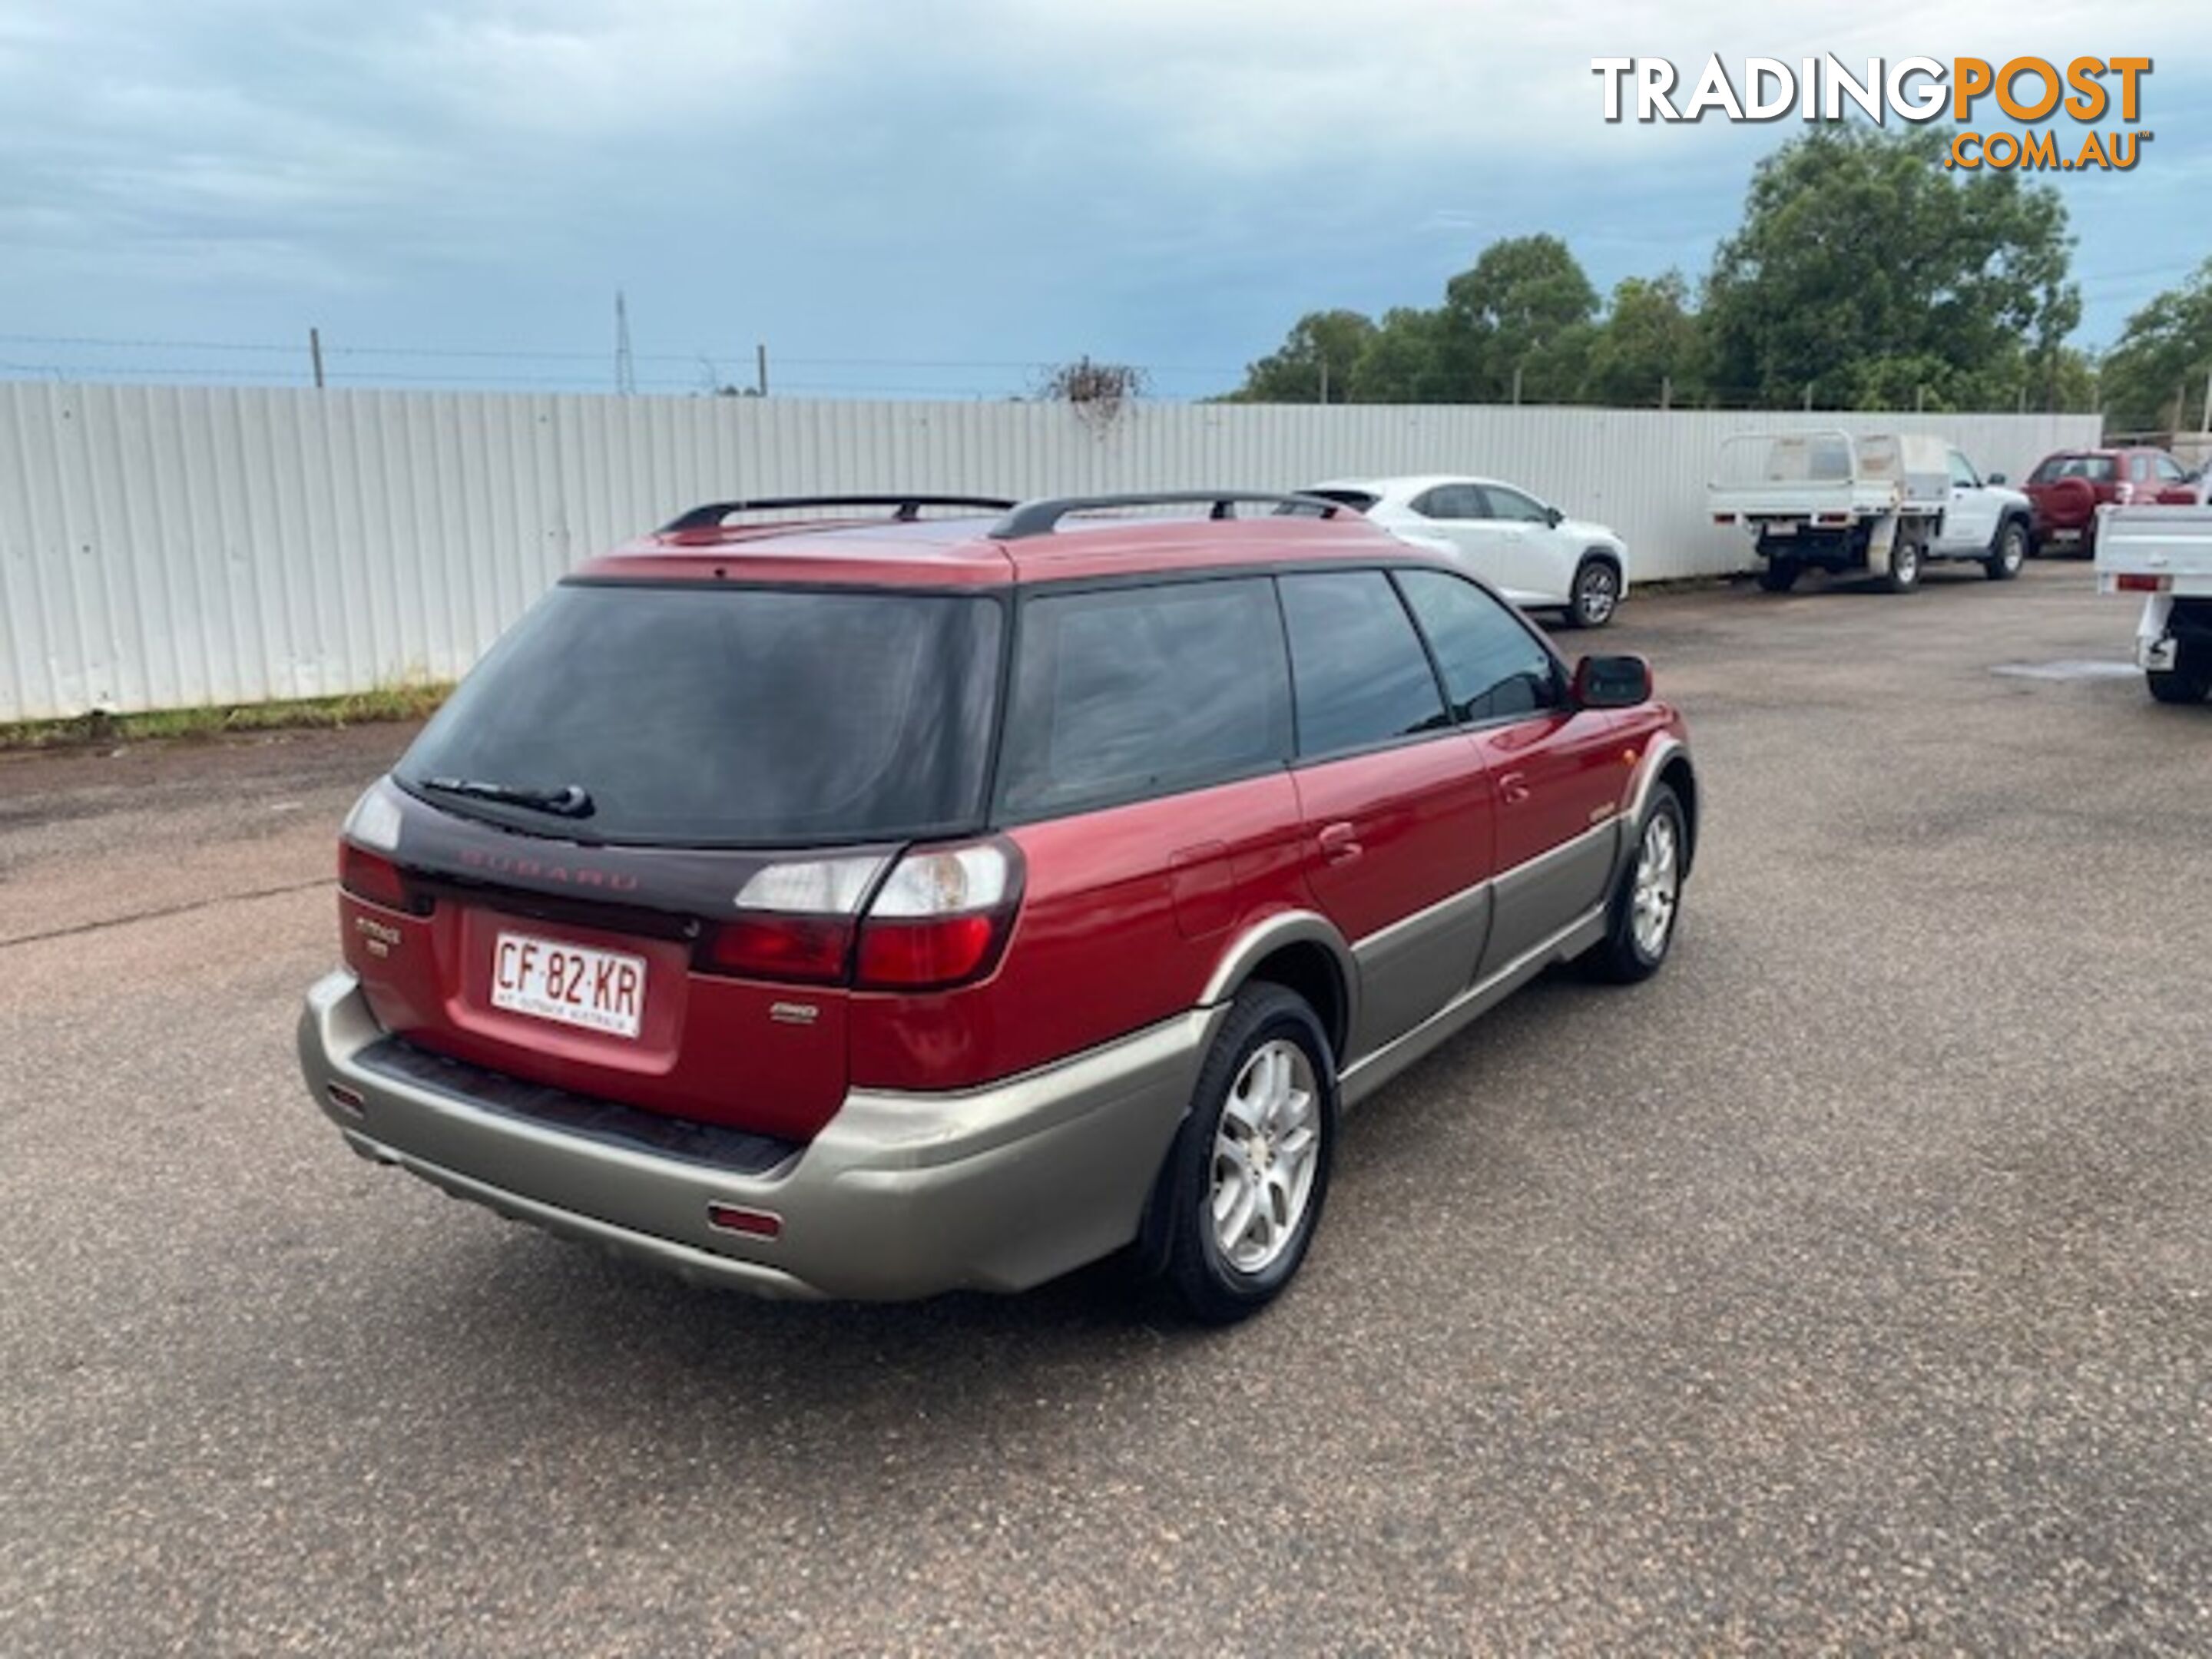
point(1451, 502)
point(1360, 501)
point(2099, 468)
point(1361, 674)
point(1962, 471)
point(1494, 668)
point(1513, 505)
point(1140, 691)
point(731, 715)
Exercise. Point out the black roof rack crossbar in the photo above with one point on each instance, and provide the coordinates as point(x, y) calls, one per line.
point(1041, 518)
point(904, 507)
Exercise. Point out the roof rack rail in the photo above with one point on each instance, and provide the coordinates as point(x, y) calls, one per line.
point(1041, 518)
point(904, 507)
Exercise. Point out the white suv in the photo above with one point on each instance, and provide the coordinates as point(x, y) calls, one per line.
point(1531, 552)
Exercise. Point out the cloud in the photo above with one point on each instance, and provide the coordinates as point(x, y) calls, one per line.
point(992, 179)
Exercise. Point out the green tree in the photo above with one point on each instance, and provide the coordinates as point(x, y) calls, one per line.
point(1313, 366)
point(1524, 306)
point(1650, 344)
point(1402, 363)
point(1867, 270)
point(2155, 377)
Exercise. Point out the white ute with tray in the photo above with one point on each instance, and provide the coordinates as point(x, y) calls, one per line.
point(2165, 554)
point(1885, 503)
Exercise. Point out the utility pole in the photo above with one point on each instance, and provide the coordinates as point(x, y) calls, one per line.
point(1809, 397)
point(1666, 392)
point(625, 368)
point(760, 369)
point(1324, 378)
point(1516, 384)
point(1920, 400)
point(315, 354)
point(2205, 425)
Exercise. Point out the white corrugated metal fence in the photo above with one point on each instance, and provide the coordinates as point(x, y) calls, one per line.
point(169, 547)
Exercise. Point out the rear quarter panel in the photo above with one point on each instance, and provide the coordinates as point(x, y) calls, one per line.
point(1127, 913)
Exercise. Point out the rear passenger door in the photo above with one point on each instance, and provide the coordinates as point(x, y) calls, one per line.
point(1558, 771)
point(1459, 514)
point(1392, 798)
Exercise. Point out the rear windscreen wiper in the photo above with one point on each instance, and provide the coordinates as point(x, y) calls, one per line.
point(570, 801)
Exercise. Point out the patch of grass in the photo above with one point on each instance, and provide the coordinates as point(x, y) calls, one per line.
point(397, 703)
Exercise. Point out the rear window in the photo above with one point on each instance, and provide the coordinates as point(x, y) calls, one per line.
point(1360, 501)
point(2098, 469)
point(1126, 693)
point(1361, 674)
point(730, 716)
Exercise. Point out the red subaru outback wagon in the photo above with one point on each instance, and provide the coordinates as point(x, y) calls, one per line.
point(870, 907)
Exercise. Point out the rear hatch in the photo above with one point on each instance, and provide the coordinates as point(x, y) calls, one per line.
point(630, 856)
point(2064, 490)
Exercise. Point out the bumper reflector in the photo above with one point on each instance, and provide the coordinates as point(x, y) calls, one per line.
point(2132, 582)
point(753, 1223)
point(348, 1101)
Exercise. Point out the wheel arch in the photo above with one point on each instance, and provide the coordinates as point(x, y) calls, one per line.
point(1678, 774)
point(1303, 952)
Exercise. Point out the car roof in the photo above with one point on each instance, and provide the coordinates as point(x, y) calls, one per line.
point(1410, 482)
point(965, 553)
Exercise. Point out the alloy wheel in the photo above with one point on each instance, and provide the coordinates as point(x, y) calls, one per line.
point(1264, 1156)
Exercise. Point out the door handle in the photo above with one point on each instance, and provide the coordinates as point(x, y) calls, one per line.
point(1513, 787)
point(1339, 844)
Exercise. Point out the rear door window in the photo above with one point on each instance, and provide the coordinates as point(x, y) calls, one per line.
point(1361, 675)
point(1126, 693)
point(1494, 668)
point(1451, 500)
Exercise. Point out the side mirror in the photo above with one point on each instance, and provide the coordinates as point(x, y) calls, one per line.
point(1612, 681)
point(1996, 478)
point(1553, 517)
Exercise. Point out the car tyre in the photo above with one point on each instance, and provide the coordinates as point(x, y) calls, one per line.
point(1245, 1180)
point(2008, 552)
point(1596, 594)
point(2189, 679)
point(1779, 575)
point(1640, 921)
point(1904, 572)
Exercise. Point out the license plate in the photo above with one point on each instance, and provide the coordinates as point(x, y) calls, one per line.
point(569, 984)
point(1782, 527)
point(2065, 535)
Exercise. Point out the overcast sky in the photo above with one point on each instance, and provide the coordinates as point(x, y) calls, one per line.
point(900, 195)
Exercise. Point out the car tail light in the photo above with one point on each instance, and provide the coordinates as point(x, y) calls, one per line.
point(938, 918)
point(372, 877)
point(2137, 582)
point(795, 920)
point(366, 849)
point(942, 918)
point(808, 948)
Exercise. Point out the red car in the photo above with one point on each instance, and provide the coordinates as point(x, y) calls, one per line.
point(874, 907)
point(2066, 490)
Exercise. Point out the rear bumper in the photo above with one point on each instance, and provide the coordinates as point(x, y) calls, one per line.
point(899, 1195)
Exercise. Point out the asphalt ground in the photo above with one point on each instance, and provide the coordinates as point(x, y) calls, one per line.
point(1849, 1285)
